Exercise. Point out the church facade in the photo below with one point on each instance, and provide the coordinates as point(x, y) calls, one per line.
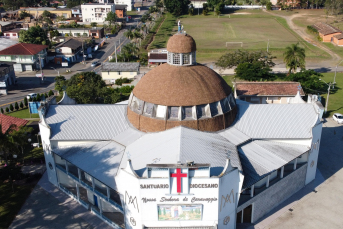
point(182, 152)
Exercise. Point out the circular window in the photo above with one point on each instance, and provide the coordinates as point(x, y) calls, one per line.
point(50, 166)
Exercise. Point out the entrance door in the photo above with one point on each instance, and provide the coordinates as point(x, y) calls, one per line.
point(95, 200)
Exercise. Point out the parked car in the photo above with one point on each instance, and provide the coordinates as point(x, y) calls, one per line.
point(31, 95)
point(95, 63)
point(338, 118)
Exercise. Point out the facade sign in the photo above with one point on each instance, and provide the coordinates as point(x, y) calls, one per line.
point(179, 212)
point(64, 64)
point(2, 84)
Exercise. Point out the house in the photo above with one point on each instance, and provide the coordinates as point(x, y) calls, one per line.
point(267, 92)
point(96, 32)
point(129, 4)
point(26, 56)
point(326, 32)
point(76, 12)
point(6, 25)
point(36, 11)
point(198, 3)
point(73, 32)
point(7, 77)
point(110, 71)
point(65, 12)
point(157, 56)
point(338, 39)
point(96, 12)
point(7, 121)
point(181, 152)
point(69, 50)
point(14, 33)
point(121, 11)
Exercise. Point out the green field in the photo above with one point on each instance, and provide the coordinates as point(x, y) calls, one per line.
point(23, 113)
point(252, 27)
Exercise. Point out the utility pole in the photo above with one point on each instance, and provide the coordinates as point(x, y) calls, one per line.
point(41, 69)
point(83, 51)
point(115, 43)
point(327, 100)
point(334, 79)
point(268, 46)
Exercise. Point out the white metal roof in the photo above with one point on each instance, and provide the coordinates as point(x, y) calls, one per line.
point(260, 158)
point(182, 144)
point(100, 160)
point(86, 121)
point(234, 136)
point(276, 120)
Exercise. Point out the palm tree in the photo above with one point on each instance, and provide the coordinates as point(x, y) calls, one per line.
point(129, 34)
point(6, 142)
point(137, 35)
point(294, 57)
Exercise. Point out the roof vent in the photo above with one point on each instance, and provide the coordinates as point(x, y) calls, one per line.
point(179, 162)
point(190, 163)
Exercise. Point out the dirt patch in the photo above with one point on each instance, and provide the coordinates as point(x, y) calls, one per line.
point(241, 13)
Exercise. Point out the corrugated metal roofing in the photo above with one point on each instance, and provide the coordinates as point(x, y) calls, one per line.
point(182, 144)
point(101, 160)
point(260, 158)
point(86, 121)
point(235, 136)
point(276, 120)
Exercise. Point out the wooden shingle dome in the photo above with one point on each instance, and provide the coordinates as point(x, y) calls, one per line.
point(181, 93)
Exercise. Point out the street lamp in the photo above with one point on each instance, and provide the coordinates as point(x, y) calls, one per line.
point(334, 79)
point(58, 71)
point(29, 140)
point(327, 99)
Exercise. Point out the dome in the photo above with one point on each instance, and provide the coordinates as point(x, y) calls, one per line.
point(181, 43)
point(181, 93)
point(181, 86)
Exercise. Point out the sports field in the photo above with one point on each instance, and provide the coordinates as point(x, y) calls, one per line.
point(252, 27)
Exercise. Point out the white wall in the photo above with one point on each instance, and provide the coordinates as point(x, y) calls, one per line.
point(88, 12)
point(65, 180)
point(56, 144)
point(313, 156)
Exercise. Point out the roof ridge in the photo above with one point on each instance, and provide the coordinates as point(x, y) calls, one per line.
point(22, 44)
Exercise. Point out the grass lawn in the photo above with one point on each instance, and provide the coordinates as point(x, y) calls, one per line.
point(35, 153)
point(131, 13)
point(336, 95)
point(166, 30)
point(11, 202)
point(252, 27)
point(23, 113)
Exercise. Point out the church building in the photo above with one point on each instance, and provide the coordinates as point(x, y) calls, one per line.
point(182, 152)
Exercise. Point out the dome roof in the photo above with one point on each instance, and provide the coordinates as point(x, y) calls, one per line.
point(181, 43)
point(181, 86)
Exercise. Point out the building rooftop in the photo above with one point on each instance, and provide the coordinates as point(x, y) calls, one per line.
point(62, 9)
point(23, 49)
point(17, 30)
point(7, 121)
point(4, 23)
point(181, 43)
point(339, 36)
point(121, 66)
point(71, 43)
point(37, 8)
point(121, 7)
point(5, 43)
point(267, 88)
point(326, 29)
point(99, 4)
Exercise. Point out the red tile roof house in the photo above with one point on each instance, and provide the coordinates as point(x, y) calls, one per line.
point(25, 56)
point(267, 92)
point(7, 121)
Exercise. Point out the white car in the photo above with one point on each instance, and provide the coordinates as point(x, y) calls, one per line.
point(31, 95)
point(338, 118)
point(94, 64)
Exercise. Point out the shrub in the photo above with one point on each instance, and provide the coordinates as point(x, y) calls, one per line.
point(39, 97)
point(30, 99)
point(269, 6)
point(11, 107)
point(25, 102)
point(2, 111)
point(126, 89)
point(7, 110)
point(21, 105)
point(46, 95)
point(311, 29)
point(34, 99)
point(16, 106)
point(121, 80)
point(51, 93)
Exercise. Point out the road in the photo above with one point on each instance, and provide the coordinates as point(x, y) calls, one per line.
point(28, 83)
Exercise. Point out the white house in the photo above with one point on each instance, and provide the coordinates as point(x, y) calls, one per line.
point(26, 56)
point(96, 12)
point(69, 50)
point(182, 152)
point(110, 71)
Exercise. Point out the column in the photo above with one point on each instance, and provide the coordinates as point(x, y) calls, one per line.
point(77, 191)
point(282, 170)
point(267, 184)
point(295, 164)
point(79, 172)
point(66, 164)
point(108, 193)
point(252, 191)
point(100, 204)
point(93, 184)
point(181, 59)
point(242, 216)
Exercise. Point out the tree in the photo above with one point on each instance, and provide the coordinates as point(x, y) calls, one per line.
point(23, 14)
point(204, 9)
point(2, 111)
point(60, 18)
point(46, 14)
point(54, 33)
point(334, 7)
point(60, 84)
point(16, 106)
point(191, 10)
point(51, 93)
point(34, 35)
point(19, 137)
point(309, 80)
point(111, 17)
point(129, 34)
point(269, 6)
point(94, 24)
point(21, 105)
point(6, 144)
point(177, 7)
point(11, 108)
point(25, 102)
point(38, 97)
point(234, 58)
point(7, 110)
point(294, 57)
point(253, 71)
